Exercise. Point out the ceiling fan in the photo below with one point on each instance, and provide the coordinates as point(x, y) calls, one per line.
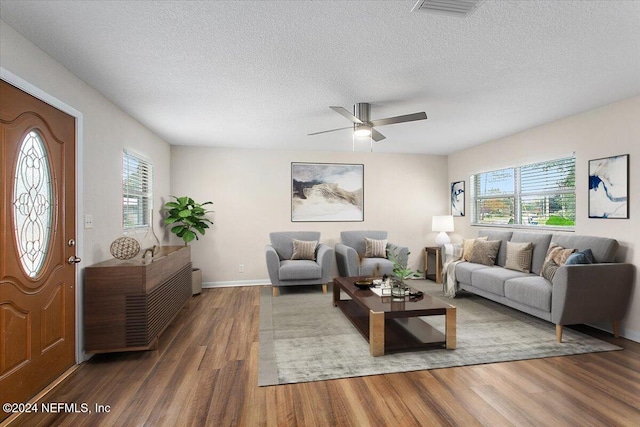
point(364, 126)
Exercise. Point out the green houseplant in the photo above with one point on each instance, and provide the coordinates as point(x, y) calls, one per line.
point(188, 219)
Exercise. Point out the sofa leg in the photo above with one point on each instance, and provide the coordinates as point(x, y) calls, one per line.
point(324, 288)
point(559, 333)
point(616, 329)
point(275, 291)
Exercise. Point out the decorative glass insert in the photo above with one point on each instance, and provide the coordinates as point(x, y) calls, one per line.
point(32, 212)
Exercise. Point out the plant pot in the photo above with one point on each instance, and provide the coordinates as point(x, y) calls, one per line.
point(196, 281)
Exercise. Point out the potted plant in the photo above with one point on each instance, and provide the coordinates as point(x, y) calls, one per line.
point(188, 219)
point(401, 271)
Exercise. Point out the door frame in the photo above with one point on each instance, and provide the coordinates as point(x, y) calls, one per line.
point(33, 90)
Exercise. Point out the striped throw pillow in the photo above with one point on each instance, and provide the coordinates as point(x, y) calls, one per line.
point(375, 248)
point(304, 249)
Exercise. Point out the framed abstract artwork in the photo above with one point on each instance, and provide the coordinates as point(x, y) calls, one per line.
point(327, 192)
point(609, 187)
point(457, 198)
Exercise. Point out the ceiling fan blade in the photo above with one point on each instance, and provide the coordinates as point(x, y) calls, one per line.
point(343, 112)
point(377, 136)
point(399, 119)
point(331, 130)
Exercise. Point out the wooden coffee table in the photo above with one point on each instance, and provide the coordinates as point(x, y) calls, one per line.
point(391, 324)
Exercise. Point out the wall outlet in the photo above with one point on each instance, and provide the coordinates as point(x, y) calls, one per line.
point(88, 221)
point(241, 268)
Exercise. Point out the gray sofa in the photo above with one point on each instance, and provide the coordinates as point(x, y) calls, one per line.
point(585, 293)
point(352, 262)
point(284, 271)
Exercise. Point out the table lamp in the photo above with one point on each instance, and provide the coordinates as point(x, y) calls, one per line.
point(443, 224)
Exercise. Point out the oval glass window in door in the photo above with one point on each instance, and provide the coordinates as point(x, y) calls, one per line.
point(32, 204)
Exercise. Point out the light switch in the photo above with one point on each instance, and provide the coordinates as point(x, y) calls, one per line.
point(88, 221)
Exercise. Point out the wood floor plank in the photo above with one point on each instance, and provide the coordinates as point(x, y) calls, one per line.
point(205, 373)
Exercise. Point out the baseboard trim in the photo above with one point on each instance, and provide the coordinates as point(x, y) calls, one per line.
point(235, 283)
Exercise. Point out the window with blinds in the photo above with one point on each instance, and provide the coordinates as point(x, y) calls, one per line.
point(536, 195)
point(137, 191)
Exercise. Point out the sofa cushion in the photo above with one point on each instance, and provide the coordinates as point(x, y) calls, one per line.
point(465, 269)
point(492, 279)
point(540, 242)
point(604, 249)
point(375, 248)
point(534, 291)
point(505, 236)
point(299, 270)
point(375, 267)
point(485, 252)
point(519, 256)
point(582, 257)
point(304, 249)
point(467, 247)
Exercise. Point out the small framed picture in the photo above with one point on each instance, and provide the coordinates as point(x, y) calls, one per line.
point(609, 187)
point(457, 198)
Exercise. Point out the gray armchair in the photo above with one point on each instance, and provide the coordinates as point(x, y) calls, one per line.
point(284, 271)
point(352, 262)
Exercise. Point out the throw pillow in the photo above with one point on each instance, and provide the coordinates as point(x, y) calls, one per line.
point(375, 248)
point(304, 249)
point(467, 247)
point(549, 270)
point(557, 255)
point(519, 256)
point(582, 257)
point(485, 251)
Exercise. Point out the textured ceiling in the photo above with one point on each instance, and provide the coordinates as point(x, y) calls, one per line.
point(262, 74)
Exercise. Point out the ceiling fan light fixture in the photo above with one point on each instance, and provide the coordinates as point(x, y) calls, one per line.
point(361, 130)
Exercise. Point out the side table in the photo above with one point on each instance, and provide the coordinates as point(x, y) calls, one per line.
point(436, 253)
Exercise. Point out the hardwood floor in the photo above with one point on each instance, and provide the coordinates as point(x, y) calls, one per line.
point(205, 374)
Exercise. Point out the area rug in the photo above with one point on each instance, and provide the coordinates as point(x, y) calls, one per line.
point(304, 338)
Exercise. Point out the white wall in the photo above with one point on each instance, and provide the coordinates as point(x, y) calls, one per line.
point(603, 132)
point(107, 131)
point(251, 191)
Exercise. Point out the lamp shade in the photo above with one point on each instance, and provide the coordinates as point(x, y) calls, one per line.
point(442, 223)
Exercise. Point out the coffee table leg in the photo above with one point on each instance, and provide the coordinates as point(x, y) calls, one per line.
point(450, 328)
point(376, 333)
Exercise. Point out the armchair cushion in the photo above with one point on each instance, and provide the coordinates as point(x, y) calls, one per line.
point(304, 249)
point(299, 270)
point(375, 248)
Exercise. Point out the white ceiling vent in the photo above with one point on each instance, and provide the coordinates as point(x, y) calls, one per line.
point(459, 8)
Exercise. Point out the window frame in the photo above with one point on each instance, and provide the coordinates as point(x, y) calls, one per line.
point(142, 190)
point(517, 196)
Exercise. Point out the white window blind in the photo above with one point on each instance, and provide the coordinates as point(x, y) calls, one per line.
point(137, 191)
point(535, 195)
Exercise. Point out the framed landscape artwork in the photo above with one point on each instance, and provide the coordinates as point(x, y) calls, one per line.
point(327, 192)
point(609, 187)
point(457, 198)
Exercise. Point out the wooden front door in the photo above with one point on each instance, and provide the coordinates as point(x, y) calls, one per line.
point(37, 240)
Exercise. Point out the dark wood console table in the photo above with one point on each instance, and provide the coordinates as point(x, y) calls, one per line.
point(128, 304)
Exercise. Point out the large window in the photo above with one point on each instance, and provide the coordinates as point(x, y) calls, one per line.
point(137, 191)
point(537, 195)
